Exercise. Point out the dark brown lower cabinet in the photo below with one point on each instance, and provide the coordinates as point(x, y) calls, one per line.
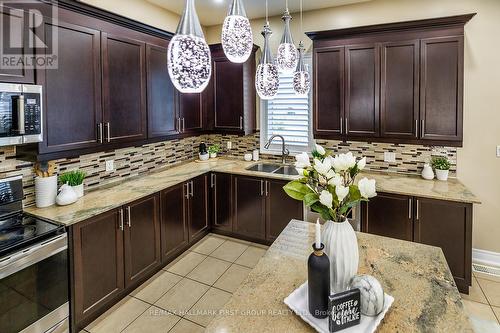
point(249, 207)
point(221, 198)
point(142, 238)
point(174, 234)
point(447, 225)
point(97, 266)
point(198, 207)
point(280, 208)
point(440, 223)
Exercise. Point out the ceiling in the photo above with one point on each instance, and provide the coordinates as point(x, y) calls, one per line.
point(212, 12)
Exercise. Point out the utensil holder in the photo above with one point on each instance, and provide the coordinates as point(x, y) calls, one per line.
point(45, 191)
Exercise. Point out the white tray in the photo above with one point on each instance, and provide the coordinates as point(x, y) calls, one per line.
point(298, 302)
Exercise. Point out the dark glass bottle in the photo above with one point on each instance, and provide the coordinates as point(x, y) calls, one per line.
point(318, 274)
point(203, 148)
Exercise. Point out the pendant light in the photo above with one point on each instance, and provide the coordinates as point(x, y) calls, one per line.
point(301, 78)
point(266, 78)
point(236, 37)
point(188, 55)
point(287, 53)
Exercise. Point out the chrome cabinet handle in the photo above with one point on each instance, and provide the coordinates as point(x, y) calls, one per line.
point(20, 115)
point(422, 124)
point(129, 217)
point(261, 188)
point(213, 179)
point(179, 125)
point(100, 133)
point(183, 125)
point(416, 128)
point(346, 126)
point(410, 204)
point(187, 190)
point(108, 127)
point(267, 188)
point(241, 122)
point(418, 210)
point(341, 125)
point(121, 219)
point(192, 189)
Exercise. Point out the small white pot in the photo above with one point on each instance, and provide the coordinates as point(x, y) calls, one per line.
point(213, 155)
point(45, 191)
point(442, 174)
point(78, 190)
point(204, 157)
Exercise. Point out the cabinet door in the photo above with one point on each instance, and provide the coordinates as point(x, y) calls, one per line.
point(162, 113)
point(198, 207)
point(191, 112)
point(72, 92)
point(228, 94)
point(174, 234)
point(447, 225)
point(124, 88)
point(362, 66)
point(328, 89)
point(97, 253)
point(399, 89)
point(142, 238)
point(280, 209)
point(222, 194)
point(15, 42)
point(249, 207)
point(441, 88)
point(388, 215)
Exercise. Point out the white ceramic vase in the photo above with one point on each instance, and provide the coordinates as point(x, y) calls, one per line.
point(45, 191)
point(427, 172)
point(341, 247)
point(78, 190)
point(442, 174)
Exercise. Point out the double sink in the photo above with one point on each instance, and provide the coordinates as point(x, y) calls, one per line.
point(279, 169)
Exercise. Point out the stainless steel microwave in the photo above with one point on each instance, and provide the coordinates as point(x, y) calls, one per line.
point(20, 114)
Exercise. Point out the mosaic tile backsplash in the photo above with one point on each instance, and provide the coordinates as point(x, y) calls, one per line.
point(134, 161)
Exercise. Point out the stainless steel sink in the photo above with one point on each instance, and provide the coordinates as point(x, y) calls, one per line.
point(274, 168)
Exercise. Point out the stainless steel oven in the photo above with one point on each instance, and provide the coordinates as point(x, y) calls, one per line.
point(34, 279)
point(20, 114)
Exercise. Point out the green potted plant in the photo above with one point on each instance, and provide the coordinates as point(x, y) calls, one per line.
point(442, 167)
point(213, 150)
point(74, 179)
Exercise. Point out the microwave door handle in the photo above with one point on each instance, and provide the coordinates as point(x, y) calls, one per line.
point(20, 114)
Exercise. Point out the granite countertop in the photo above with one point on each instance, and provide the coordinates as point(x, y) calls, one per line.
point(416, 275)
point(112, 196)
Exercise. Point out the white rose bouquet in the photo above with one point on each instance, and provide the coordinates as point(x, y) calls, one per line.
point(328, 186)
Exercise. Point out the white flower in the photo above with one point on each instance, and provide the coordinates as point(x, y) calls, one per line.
point(362, 163)
point(323, 167)
point(302, 161)
point(335, 180)
point(367, 188)
point(343, 162)
point(326, 198)
point(320, 150)
point(341, 192)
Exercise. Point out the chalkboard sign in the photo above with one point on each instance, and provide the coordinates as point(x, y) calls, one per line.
point(344, 310)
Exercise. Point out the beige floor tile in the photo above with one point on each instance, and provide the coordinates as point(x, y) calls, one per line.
point(491, 290)
point(119, 316)
point(484, 276)
point(208, 306)
point(151, 290)
point(229, 251)
point(208, 244)
point(479, 310)
point(209, 270)
point(153, 320)
point(475, 293)
point(182, 296)
point(185, 326)
point(251, 256)
point(187, 263)
point(232, 278)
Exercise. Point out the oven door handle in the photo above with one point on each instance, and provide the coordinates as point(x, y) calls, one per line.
point(27, 257)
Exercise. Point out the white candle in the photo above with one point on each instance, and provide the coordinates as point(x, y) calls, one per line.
point(318, 234)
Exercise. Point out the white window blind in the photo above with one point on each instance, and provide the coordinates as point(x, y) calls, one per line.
point(288, 115)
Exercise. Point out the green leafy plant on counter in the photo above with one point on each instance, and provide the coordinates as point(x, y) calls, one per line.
point(440, 163)
point(214, 149)
point(72, 178)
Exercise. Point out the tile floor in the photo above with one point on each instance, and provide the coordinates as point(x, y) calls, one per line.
point(184, 295)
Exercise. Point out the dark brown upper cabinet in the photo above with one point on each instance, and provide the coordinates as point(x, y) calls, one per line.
point(72, 91)
point(397, 82)
point(123, 62)
point(191, 117)
point(233, 93)
point(399, 89)
point(362, 68)
point(441, 88)
point(162, 95)
point(15, 41)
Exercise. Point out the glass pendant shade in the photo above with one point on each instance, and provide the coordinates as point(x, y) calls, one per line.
point(267, 79)
point(287, 56)
point(236, 37)
point(188, 55)
point(301, 77)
